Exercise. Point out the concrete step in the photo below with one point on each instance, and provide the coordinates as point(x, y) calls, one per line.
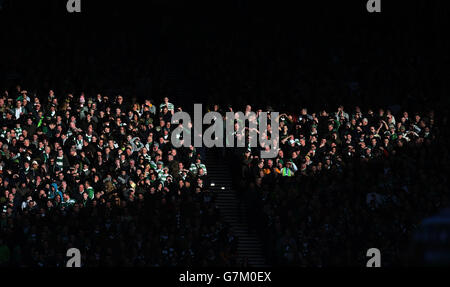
point(249, 245)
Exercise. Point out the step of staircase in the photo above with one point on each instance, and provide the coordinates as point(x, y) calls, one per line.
point(220, 182)
point(249, 245)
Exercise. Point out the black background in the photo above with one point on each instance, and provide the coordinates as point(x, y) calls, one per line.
point(173, 33)
point(113, 46)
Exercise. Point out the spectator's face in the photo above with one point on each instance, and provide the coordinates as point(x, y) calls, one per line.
point(236, 126)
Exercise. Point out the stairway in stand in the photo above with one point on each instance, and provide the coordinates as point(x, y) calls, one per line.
point(220, 180)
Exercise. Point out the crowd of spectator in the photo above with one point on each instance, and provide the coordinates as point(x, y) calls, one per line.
point(365, 159)
point(96, 171)
point(101, 175)
point(344, 182)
